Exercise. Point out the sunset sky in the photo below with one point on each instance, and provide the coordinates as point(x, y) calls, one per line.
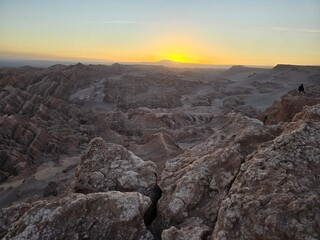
point(248, 32)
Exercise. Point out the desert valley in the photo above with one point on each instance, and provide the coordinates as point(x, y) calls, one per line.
point(154, 152)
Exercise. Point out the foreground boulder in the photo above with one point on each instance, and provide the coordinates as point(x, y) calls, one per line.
point(276, 194)
point(111, 215)
point(108, 167)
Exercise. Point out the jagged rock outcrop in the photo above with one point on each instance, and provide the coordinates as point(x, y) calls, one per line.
point(109, 215)
point(309, 114)
point(107, 167)
point(276, 194)
point(195, 182)
point(245, 183)
point(286, 108)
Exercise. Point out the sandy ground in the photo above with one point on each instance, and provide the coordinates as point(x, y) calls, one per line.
point(18, 190)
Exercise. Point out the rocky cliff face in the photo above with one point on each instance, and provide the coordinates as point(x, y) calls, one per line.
point(276, 192)
point(289, 105)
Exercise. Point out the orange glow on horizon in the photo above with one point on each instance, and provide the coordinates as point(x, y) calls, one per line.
point(151, 31)
point(174, 46)
point(178, 48)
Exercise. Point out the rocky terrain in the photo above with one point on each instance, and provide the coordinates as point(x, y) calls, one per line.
point(151, 152)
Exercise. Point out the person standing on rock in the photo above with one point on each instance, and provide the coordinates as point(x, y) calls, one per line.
point(301, 89)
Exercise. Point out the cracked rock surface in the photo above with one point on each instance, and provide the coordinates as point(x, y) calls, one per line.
point(110, 215)
point(276, 194)
point(107, 166)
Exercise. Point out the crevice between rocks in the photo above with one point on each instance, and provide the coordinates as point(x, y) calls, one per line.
point(235, 177)
point(151, 213)
point(228, 192)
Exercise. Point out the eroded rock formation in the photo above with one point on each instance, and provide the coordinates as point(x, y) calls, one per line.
point(289, 105)
point(106, 167)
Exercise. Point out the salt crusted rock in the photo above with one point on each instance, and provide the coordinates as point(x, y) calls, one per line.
point(276, 194)
point(111, 215)
point(107, 166)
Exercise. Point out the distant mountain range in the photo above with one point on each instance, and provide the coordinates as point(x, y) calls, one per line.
point(165, 62)
point(170, 63)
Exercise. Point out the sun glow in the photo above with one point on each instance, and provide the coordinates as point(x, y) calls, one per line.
point(178, 58)
point(178, 46)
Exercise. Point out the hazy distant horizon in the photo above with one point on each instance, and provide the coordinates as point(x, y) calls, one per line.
point(48, 62)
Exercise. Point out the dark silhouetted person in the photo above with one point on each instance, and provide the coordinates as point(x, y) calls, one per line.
point(301, 89)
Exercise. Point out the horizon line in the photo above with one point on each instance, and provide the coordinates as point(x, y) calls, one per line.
point(156, 63)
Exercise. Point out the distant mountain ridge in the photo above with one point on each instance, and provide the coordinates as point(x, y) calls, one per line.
point(170, 63)
point(239, 69)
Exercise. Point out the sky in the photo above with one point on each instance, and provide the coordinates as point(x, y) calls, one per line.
point(246, 32)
